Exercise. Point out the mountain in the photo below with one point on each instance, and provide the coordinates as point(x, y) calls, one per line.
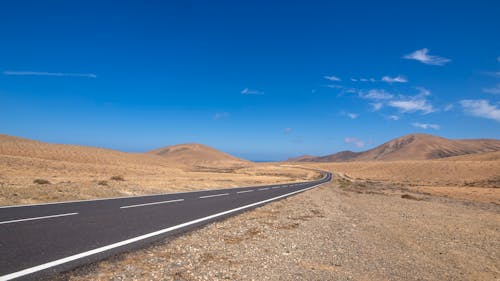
point(413, 147)
point(197, 154)
point(11, 146)
point(184, 154)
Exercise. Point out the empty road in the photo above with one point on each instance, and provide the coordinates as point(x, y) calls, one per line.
point(41, 240)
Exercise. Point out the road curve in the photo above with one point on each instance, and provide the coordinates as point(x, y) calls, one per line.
point(41, 240)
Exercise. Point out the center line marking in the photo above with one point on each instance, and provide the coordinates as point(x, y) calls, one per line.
point(153, 203)
point(276, 187)
point(115, 245)
point(244, 191)
point(38, 218)
point(215, 195)
point(264, 188)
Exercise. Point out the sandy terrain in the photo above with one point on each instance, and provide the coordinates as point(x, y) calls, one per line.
point(74, 181)
point(77, 172)
point(399, 220)
point(340, 231)
point(462, 177)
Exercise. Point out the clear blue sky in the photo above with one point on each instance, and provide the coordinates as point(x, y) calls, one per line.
point(264, 80)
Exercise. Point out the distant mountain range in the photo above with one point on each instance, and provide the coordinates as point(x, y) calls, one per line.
point(410, 147)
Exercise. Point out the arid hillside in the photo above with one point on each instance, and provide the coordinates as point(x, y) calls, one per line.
point(196, 154)
point(412, 147)
point(34, 171)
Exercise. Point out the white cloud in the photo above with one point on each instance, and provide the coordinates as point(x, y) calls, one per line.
point(335, 86)
point(376, 106)
point(426, 126)
point(363, 79)
point(375, 94)
point(414, 103)
point(288, 130)
point(332, 78)
point(393, 117)
point(423, 56)
point(357, 142)
point(220, 115)
point(352, 115)
point(495, 90)
point(448, 107)
point(397, 79)
point(481, 108)
point(492, 73)
point(247, 91)
point(354, 80)
point(43, 73)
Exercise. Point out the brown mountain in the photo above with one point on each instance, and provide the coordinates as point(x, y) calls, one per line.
point(414, 147)
point(189, 154)
point(198, 154)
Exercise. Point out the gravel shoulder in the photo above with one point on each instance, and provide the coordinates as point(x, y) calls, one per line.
point(338, 231)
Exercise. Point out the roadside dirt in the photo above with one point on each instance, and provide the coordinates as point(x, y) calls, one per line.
point(340, 231)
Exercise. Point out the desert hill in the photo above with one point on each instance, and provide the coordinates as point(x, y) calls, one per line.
point(187, 154)
point(413, 147)
point(21, 147)
point(197, 154)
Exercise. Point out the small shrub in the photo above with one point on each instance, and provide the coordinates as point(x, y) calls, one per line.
point(117, 178)
point(104, 183)
point(41, 181)
point(411, 197)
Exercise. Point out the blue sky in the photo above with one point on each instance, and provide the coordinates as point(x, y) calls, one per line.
point(264, 80)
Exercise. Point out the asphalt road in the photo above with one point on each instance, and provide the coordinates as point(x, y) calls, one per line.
point(38, 241)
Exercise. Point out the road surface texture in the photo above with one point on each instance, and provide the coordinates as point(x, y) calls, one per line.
point(41, 240)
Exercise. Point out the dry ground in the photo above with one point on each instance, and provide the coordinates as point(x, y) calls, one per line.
point(340, 231)
point(460, 177)
point(70, 180)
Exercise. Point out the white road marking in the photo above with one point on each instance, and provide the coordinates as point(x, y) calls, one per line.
point(215, 195)
point(276, 187)
point(38, 218)
point(244, 191)
point(153, 203)
point(264, 188)
point(37, 268)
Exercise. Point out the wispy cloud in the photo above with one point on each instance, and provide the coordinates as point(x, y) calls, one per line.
point(492, 73)
point(247, 91)
point(448, 107)
point(393, 117)
point(423, 56)
point(426, 126)
point(397, 79)
point(481, 108)
point(375, 94)
point(220, 115)
point(335, 86)
point(414, 103)
point(354, 79)
point(376, 106)
point(288, 131)
point(352, 115)
point(495, 90)
point(352, 140)
point(43, 73)
point(498, 59)
point(332, 78)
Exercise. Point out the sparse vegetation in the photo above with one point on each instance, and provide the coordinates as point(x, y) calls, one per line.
point(103, 183)
point(117, 178)
point(41, 181)
point(411, 197)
